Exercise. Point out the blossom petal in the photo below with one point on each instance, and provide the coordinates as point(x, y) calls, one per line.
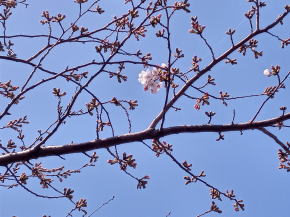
point(267, 72)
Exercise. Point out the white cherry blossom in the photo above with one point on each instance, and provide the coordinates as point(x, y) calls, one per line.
point(267, 72)
point(150, 80)
point(163, 65)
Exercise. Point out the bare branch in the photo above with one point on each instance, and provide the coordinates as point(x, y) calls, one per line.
point(275, 138)
point(38, 152)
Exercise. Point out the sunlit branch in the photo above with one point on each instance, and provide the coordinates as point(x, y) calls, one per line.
point(150, 133)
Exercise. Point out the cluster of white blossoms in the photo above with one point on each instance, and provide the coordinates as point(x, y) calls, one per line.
point(268, 73)
point(150, 79)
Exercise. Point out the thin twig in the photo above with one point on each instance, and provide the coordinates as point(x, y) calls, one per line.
point(275, 138)
point(101, 206)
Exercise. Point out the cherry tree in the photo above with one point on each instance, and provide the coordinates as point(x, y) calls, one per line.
point(83, 79)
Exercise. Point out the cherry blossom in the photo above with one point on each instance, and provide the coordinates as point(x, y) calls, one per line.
point(267, 72)
point(150, 79)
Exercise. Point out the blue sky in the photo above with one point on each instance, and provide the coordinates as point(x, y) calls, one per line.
point(247, 163)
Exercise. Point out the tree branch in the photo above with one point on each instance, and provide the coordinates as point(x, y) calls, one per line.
point(34, 153)
point(275, 138)
point(212, 64)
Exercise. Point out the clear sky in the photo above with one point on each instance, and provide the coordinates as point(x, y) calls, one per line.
point(247, 163)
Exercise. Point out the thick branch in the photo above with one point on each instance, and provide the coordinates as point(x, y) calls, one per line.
point(133, 137)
